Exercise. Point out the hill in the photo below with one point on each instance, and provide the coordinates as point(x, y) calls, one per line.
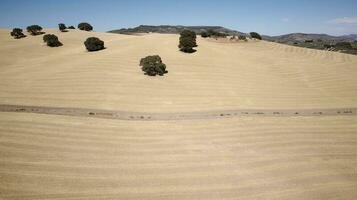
point(317, 41)
point(101, 143)
point(166, 29)
point(219, 79)
point(301, 37)
point(351, 36)
point(313, 41)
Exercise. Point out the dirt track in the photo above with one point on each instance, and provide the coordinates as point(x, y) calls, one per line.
point(137, 116)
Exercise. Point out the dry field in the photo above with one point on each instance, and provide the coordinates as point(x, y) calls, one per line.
point(218, 76)
point(45, 156)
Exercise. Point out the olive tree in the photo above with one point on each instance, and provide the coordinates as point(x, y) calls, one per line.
point(187, 41)
point(84, 26)
point(34, 30)
point(17, 33)
point(52, 40)
point(94, 44)
point(153, 65)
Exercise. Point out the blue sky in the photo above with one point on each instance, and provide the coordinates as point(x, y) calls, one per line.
point(274, 17)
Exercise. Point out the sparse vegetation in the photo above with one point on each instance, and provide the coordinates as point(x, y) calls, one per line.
point(153, 65)
point(17, 33)
point(343, 46)
point(328, 46)
point(34, 30)
point(213, 33)
point(242, 37)
point(84, 26)
point(255, 35)
point(52, 40)
point(204, 34)
point(187, 41)
point(94, 44)
point(62, 27)
point(46, 37)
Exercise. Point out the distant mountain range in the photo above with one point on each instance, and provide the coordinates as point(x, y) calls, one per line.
point(307, 40)
point(293, 37)
point(351, 36)
point(174, 29)
point(301, 37)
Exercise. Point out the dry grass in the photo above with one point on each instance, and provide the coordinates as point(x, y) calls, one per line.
point(218, 76)
point(52, 157)
point(62, 157)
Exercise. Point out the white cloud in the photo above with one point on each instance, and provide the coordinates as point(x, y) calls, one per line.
point(344, 20)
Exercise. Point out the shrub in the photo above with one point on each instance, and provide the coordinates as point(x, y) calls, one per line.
point(46, 37)
point(34, 30)
point(204, 34)
point(189, 34)
point(255, 35)
point(309, 41)
point(153, 65)
point(328, 46)
point(85, 26)
point(187, 44)
point(187, 41)
point(62, 27)
point(17, 33)
point(343, 46)
point(94, 44)
point(52, 40)
point(71, 27)
point(242, 37)
point(213, 33)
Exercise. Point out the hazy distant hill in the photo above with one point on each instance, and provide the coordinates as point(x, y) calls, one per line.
point(308, 40)
point(293, 37)
point(318, 41)
point(351, 36)
point(302, 37)
point(174, 29)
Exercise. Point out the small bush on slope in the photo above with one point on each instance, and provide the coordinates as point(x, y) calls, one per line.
point(17, 33)
point(62, 27)
point(153, 65)
point(255, 35)
point(52, 40)
point(343, 46)
point(213, 33)
point(242, 37)
point(204, 34)
point(94, 44)
point(34, 30)
point(85, 26)
point(187, 41)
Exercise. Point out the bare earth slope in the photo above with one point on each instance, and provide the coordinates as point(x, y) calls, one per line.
point(218, 76)
point(54, 157)
point(44, 156)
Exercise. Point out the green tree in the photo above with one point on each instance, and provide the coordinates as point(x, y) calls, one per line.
point(62, 27)
point(153, 65)
point(187, 41)
point(52, 40)
point(256, 35)
point(85, 26)
point(94, 44)
point(34, 30)
point(17, 33)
